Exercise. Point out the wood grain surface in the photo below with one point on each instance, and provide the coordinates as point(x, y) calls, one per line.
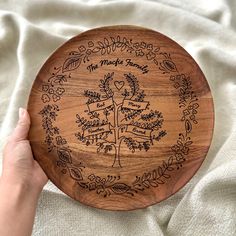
point(122, 117)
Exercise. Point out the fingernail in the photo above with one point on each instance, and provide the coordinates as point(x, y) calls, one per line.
point(21, 113)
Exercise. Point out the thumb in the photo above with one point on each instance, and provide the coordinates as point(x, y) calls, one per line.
point(22, 128)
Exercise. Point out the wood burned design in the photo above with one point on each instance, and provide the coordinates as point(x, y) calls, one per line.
point(135, 117)
point(53, 89)
point(109, 45)
point(115, 118)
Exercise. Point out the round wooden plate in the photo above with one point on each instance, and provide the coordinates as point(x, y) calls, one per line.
point(122, 117)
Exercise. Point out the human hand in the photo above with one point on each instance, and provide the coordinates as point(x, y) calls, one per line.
point(19, 166)
point(21, 182)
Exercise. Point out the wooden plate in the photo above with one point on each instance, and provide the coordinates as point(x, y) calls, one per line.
point(122, 117)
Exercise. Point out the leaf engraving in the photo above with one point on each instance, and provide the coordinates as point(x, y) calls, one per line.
point(64, 155)
point(120, 188)
point(71, 63)
point(75, 173)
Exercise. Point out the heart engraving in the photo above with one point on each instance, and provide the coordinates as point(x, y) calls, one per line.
point(119, 84)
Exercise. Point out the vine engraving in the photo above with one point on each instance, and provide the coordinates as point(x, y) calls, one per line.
point(109, 119)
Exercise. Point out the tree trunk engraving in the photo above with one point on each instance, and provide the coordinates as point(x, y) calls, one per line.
point(119, 115)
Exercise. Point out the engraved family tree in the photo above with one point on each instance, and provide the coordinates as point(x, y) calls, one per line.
point(117, 115)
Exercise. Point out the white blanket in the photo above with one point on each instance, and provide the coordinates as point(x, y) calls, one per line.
point(31, 30)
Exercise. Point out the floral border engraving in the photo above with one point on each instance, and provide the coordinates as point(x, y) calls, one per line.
point(53, 91)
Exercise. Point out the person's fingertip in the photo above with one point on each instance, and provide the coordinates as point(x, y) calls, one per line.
point(22, 128)
point(21, 113)
point(24, 115)
point(27, 116)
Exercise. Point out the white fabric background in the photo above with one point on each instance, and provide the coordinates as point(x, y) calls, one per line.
point(31, 30)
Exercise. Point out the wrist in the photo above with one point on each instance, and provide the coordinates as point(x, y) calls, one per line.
point(18, 204)
point(18, 190)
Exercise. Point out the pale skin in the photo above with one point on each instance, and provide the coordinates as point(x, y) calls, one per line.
point(21, 182)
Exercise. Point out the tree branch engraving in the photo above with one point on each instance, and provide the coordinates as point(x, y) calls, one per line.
point(118, 115)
